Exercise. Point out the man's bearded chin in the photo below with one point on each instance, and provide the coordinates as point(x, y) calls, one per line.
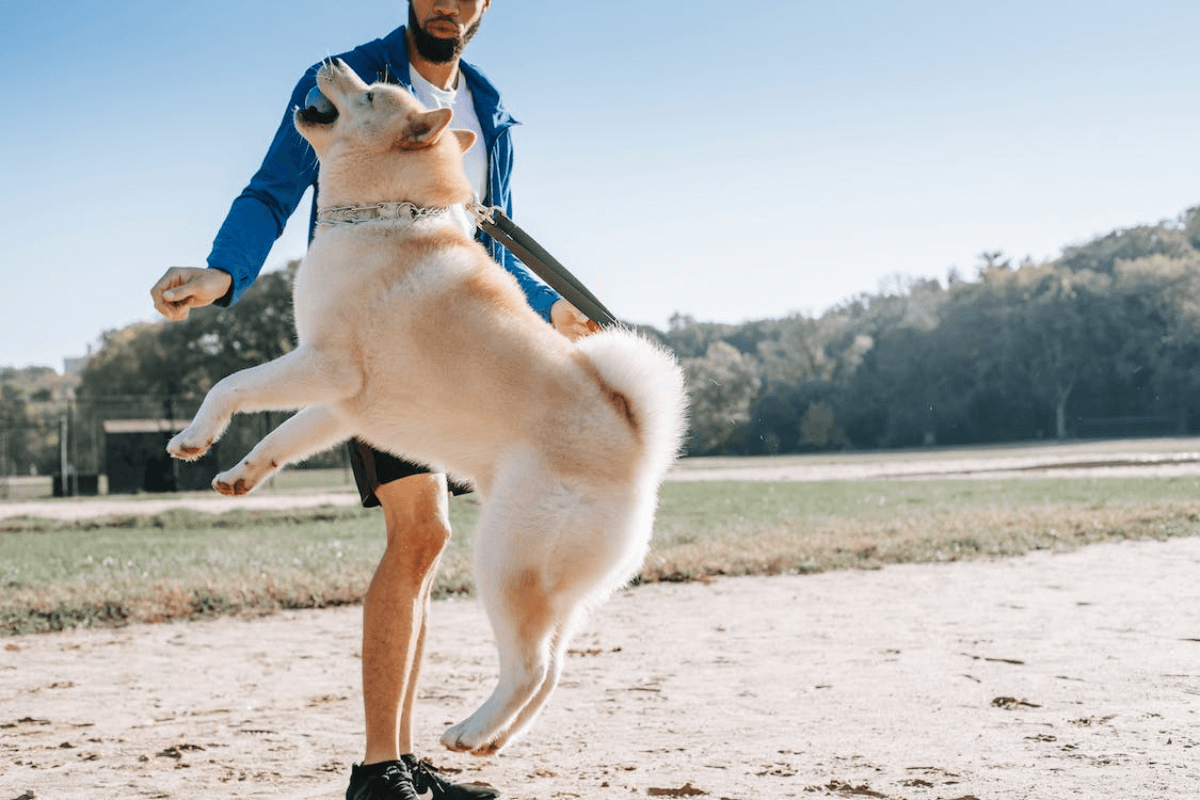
point(435, 49)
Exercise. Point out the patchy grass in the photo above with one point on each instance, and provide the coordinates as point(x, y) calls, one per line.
point(185, 564)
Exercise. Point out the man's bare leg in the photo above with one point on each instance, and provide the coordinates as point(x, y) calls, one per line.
point(410, 696)
point(416, 513)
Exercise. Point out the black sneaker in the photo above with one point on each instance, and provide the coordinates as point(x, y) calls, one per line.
point(388, 780)
point(427, 783)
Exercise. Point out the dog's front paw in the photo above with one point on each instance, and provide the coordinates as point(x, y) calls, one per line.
point(187, 445)
point(465, 737)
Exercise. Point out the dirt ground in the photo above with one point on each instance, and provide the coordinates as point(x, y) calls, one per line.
point(1051, 676)
point(1044, 677)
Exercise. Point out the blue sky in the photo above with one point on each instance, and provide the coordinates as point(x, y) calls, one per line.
point(721, 160)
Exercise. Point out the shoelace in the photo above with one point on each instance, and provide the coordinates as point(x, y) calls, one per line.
point(396, 779)
point(425, 777)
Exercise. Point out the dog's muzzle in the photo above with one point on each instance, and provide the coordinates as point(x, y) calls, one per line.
point(317, 108)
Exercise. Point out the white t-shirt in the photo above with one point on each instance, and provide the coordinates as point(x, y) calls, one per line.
point(460, 101)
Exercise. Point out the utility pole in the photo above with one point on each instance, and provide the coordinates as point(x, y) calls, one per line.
point(4, 462)
point(73, 443)
point(62, 457)
point(170, 409)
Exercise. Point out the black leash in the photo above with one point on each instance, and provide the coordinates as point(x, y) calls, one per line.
point(495, 223)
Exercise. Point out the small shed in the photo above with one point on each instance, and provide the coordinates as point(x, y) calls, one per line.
point(137, 460)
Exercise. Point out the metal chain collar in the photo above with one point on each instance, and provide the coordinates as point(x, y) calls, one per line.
point(354, 215)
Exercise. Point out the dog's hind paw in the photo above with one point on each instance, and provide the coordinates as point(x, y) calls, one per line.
point(463, 739)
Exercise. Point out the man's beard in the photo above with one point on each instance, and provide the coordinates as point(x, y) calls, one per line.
point(435, 49)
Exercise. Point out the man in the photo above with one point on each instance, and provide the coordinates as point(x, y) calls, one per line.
point(425, 57)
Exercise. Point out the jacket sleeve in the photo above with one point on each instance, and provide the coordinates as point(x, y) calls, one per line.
point(540, 296)
point(258, 215)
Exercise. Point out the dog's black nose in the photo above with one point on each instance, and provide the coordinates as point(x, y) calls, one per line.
point(317, 107)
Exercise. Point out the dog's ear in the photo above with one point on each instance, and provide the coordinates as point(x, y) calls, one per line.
point(424, 129)
point(465, 138)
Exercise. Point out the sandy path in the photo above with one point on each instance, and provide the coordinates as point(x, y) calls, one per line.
point(1111, 458)
point(851, 684)
point(213, 503)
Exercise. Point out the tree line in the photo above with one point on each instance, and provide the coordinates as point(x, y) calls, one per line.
point(1102, 341)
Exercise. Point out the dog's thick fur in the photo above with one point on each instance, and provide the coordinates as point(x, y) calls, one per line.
point(412, 339)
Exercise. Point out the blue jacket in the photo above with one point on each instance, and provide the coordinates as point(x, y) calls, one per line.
point(261, 211)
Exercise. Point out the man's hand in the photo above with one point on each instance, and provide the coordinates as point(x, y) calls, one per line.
point(570, 321)
point(183, 288)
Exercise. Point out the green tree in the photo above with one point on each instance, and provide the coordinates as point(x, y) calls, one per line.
point(14, 432)
point(185, 359)
point(1035, 333)
point(1159, 300)
point(819, 429)
point(1191, 227)
point(1102, 253)
point(1062, 319)
point(722, 384)
point(691, 339)
point(29, 420)
point(805, 349)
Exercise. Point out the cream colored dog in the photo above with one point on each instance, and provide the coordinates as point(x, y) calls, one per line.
point(413, 339)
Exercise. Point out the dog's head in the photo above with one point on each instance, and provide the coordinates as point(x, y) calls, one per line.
point(377, 143)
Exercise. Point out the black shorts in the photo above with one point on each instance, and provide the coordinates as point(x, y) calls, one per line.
point(373, 468)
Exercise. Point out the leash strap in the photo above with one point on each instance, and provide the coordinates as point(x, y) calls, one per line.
point(495, 223)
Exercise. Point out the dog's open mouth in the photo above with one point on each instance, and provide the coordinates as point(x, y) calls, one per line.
point(317, 109)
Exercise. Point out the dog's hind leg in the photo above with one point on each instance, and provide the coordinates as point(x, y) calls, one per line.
point(600, 545)
point(298, 379)
point(525, 624)
point(546, 550)
point(529, 712)
point(309, 431)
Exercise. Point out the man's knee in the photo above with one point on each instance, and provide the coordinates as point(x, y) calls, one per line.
point(416, 513)
point(418, 543)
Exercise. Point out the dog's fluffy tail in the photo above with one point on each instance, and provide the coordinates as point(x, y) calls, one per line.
point(648, 375)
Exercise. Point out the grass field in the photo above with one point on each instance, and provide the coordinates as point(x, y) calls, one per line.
point(186, 564)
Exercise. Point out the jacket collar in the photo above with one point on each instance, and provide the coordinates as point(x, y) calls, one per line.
point(493, 116)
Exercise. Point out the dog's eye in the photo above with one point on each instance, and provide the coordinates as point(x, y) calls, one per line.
point(370, 97)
